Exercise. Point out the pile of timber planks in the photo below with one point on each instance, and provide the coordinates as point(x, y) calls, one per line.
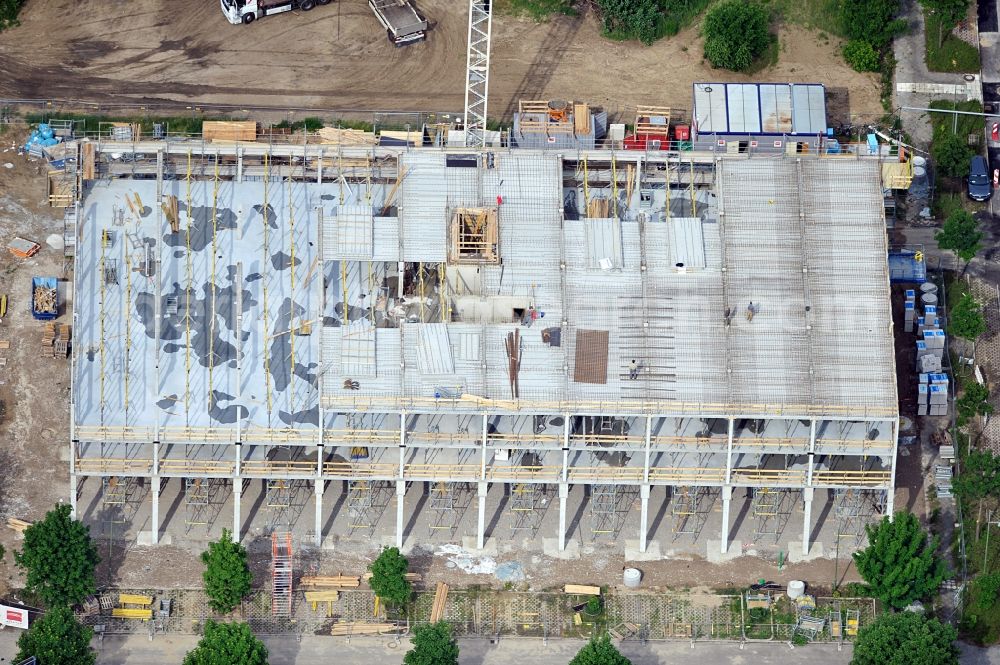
point(17, 524)
point(357, 628)
point(229, 130)
point(410, 577)
point(169, 207)
point(336, 136)
point(440, 602)
point(330, 582)
point(582, 590)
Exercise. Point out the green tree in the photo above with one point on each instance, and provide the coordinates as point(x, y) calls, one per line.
point(900, 564)
point(59, 559)
point(950, 11)
point(227, 576)
point(980, 476)
point(986, 588)
point(432, 645)
point(599, 651)
point(56, 638)
point(389, 576)
point(952, 155)
point(974, 401)
point(905, 638)
point(861, 56)
point(960, 234)
point(227, 643)
point(736, 33)
point(631, 19)
point(871, 21)
point(966, 318)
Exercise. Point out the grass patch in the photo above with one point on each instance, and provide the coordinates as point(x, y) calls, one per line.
point(821, 15)
point(946, 203)
point(952, 55)
point(538, 10)
point(91, 123)
point(309, 124)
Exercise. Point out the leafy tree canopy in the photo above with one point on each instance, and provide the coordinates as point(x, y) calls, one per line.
point(960, 233)
point(56, 638)
point(861, 56)
point(227, 576)
point(966, 318)
point(951, 11)
point(905, 638)
point(227, 644)
point(389, 576)
point(871, 21)
point(59, 559)
point(980, 476)
point(599, 651)
point(736, 32)
point(952, 155)
point(974, 401)
point(432, 645)
point(900, 564)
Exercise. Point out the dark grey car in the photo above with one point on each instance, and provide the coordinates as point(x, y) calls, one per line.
point(980, 185)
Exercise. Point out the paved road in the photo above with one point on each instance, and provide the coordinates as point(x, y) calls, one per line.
point(313, 650)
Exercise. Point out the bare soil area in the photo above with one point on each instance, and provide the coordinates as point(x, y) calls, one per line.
point(34, 387)
point(337, 57)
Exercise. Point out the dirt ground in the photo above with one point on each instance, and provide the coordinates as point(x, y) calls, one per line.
point(337, 57)
point(34, 388)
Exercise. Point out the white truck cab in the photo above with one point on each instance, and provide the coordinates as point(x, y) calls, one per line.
point(246, 11)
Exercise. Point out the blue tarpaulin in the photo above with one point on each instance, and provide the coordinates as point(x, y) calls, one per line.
point(907, 266)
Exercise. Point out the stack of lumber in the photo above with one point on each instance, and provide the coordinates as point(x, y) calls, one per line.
point(322, 597)
point(330, 582)
point(598, 208)
point(229, 130)
point(17, 524)
point(335, 136)
point(169, 206)
point(582, 590)
point(22, 248)
point(410, 577)
point(440, 602)
point(356, 628)
point(136, 207)
point(49, 334)
point(89, 161)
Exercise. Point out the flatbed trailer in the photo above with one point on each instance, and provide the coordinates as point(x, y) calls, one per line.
point(402, 22)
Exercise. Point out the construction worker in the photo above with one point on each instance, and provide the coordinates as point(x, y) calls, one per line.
point(633, 370)
point(751, 310)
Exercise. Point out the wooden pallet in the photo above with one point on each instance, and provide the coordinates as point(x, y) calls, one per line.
point(440, 602)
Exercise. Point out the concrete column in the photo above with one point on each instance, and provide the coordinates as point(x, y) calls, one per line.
point(727, 497)
point(400, 496)
point(563, 495)
point(643, 516)
point(73, 489)
point(807, 496)
point(319, 512)
point(237, 497)
point(481, 537)
point(239, 164)
point(154, 493)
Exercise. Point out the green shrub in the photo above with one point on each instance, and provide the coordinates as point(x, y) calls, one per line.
point(594, 605)
point(871, 21)
point(861, 56)
point(631, 19)
point(9, 9)
point(540, 10)
point(736, 33)
point(987, 590)
point(952, 155)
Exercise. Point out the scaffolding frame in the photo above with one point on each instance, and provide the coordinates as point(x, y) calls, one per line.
point(770, 508)
point(608, 507)
point(688, 510)
point(447, 502)
point(199, 499)
point(281, 575)
point(527, 506)
point(365, 503)
point(854, 509)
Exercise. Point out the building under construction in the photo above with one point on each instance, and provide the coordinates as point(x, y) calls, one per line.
point(687, 349)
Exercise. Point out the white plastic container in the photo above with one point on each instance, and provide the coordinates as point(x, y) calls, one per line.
point(631, 577)
point(796, 588)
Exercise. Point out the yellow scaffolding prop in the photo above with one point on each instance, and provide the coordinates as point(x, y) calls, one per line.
point(267, 330)
point(187, 298)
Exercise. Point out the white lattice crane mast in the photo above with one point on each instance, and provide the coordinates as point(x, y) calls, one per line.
point(477, 74)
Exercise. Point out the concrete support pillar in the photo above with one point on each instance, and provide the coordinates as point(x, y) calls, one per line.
point(237, 497)
point(643, 516)
point(73, 489)
point(239, 164)
point(319, 512)
point(400, 497)
point(563, 495)
point(481, 530)
point(727, 497)
point(154, 518)
point(807, 497)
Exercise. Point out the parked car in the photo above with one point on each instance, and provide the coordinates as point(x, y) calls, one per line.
point(980, 185)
